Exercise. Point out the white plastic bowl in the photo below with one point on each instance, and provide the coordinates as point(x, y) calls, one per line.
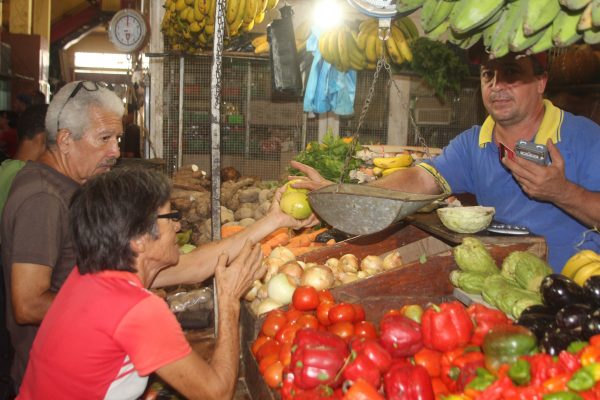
point(466, 219)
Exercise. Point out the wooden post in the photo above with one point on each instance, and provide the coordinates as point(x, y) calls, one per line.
point(41, 18)
point(20, 16)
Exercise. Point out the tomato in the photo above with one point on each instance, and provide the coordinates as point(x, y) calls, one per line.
point(285, 354)
point(323, 312)
point(343, 329)
point(305, 298)
point(273, 374)
point(267, 361)
point(292, 315)
point(325, 295)
point(269, 347)
point(359, 312)
point(287, 333)
point(365, 329)
point(273, 323)
point(342, 312)
point(260, 340)
point(307, 321)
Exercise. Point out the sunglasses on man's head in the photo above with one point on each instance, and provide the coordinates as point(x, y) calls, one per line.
point(90, 86)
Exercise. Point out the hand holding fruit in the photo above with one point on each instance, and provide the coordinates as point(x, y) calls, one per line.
point(312, 181)
point(289, 220)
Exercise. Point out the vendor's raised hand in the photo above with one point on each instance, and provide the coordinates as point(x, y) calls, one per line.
point(312, 181)
point(540, 182)
point(288, 220)
point(234, 278)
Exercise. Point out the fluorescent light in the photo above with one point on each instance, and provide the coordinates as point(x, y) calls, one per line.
point(327, 14)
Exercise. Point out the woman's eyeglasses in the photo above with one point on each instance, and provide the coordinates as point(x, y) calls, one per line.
point(90, 86)
point(174, 216)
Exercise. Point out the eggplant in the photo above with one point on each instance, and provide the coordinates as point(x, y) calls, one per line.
point(334, 234)
point(558, 291)
point(572, 317)
point(591, 327)
point(555, 341)
point(539, 309)
point(537, 323)
point(591, 288)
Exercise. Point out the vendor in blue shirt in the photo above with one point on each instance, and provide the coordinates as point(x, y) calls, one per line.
point(559, 201)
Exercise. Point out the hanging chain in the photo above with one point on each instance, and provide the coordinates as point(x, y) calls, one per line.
point(220, 16)
point(411, 117)
point(363, 113)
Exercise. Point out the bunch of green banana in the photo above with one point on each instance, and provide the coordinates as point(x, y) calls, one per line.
point(188, 25)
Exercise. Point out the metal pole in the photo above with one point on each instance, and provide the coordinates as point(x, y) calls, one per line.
point(147, 114)
point(248, 111)
point(180, 130)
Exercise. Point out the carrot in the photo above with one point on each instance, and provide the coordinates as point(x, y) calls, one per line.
point(280, 239)
point(301, 240)
point(313, 235)
point(316, 244)
point(330, 242)
point(266, 250)
point(274, 233)
point(230, 230)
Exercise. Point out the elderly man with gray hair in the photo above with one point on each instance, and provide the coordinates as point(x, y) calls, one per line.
point(84, 127)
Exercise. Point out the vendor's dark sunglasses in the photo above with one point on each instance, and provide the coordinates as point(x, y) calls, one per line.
point(174, 216)
point(90, 86)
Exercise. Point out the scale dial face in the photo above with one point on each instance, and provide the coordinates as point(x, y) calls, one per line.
point(127, 30)
point(375, 8)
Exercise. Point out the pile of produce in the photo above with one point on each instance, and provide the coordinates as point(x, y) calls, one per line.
point(347, 49)
point(569, 313)
point(512, 288)
point(328, 157)
point(188, 25)
point(285, 273)
point(320, 349)
point(521, 25)
point(243, 201)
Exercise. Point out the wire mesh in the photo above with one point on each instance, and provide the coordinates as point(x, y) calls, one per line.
point(260, 134)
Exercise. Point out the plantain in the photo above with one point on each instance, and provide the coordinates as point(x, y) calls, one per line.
point(370, 51)
point(574, 5)
point(585, 20)
point(392, 47)
point(436, 34)
point(434, 12)
point(539, 14)
point(517, 41)
point(596, 13)
point(368, 23)
point(363, 35)
point(345, 63)
point(408, 27)
point(357, 57)
point(402, 43)
point(232, 10)
point(271, 4)
point(260, 17)
point(471, 14)
point(333, 49)
point(405, 6)
point(564, 28)
point(592, 36)
point(544, 42)
point(506, 24)
point(180, 5)
point(250, 11)
point(323, 45)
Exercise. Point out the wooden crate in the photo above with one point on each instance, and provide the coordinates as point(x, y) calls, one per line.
point(426, 250)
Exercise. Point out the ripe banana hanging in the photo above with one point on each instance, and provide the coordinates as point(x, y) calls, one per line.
point(392, 47)
point(401, 160)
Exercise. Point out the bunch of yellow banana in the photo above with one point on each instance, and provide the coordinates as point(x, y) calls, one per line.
point(348, 49)
point(188, 25)
point(582, 265)
point(387, 165)
point(509, 25)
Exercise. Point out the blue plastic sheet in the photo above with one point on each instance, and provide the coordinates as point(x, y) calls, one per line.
point(328, 89)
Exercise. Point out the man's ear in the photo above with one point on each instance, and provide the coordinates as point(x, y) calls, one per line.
point(64, 140)
point(542, 81)
point(138, 245)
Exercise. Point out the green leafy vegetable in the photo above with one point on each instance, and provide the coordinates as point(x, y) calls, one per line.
point(328, 157)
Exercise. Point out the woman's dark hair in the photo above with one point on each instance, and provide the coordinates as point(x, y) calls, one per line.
point(110, 210)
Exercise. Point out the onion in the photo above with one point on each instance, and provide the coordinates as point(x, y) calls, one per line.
point(262, 292)
point(371, 264)
point(310, 265)
point(272, 265)
point(362, 274)
point(284, 253)
point(253, 291)
point(332, 263)
point(319, 277)
point(267, 305)
point(392, 261)
point(349, 263)
point(302, 264)
point(281, 288)
point(348, 277)
point(293, 269)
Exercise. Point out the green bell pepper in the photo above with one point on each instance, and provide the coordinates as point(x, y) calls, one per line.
point(504, 344)
point(562, 396)
point(520, 372)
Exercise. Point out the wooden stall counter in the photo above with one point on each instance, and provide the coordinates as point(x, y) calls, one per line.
point(425, 246)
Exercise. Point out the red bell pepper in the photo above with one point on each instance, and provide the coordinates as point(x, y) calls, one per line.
point(317, 359)
point(431, 360)
point(569, 361)
point(484, 319)
point(446, 327)
point(459, 367)
point(408, 382)
point(374, 352)
point(543, 368)
point(362, 390)
point(400, 336)
point(361, 367)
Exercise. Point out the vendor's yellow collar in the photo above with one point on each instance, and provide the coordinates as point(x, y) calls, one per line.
point(549, 128)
